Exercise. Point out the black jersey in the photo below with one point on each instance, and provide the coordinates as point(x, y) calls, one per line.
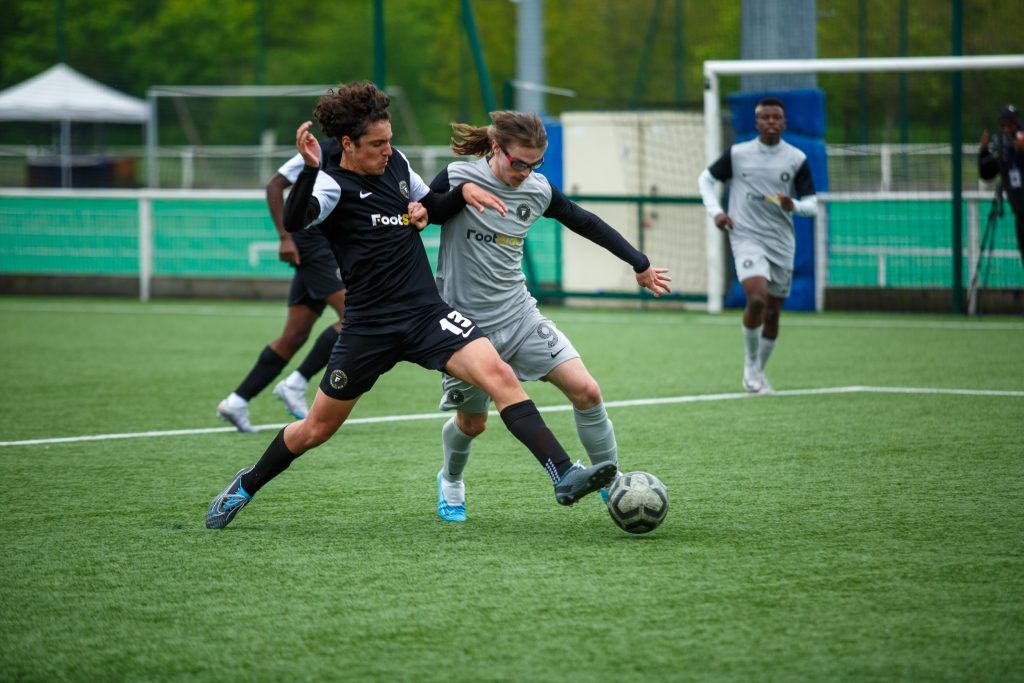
point(366, 220)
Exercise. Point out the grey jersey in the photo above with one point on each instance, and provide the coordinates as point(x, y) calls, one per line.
point(479, 266)
point(756, 172)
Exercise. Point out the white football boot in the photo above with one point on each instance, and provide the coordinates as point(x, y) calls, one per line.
point(235, 410)
point(293, 397)
point(752, 378)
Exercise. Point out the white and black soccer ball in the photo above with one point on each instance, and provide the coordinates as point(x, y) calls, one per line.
point(637, 502)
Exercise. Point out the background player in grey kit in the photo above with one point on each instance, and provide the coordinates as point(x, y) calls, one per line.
point(479, 272)
point(769, 182)
point(316, 284)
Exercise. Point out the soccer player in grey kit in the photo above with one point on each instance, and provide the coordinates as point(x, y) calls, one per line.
point(770, 181)
point(479, 271)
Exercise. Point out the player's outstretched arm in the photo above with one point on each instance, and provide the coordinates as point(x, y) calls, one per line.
point(655, 281)
point(286, 250)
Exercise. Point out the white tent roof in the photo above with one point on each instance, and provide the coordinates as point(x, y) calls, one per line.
point(62, 94)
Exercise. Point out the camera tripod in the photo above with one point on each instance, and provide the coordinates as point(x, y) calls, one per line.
point(988, 240)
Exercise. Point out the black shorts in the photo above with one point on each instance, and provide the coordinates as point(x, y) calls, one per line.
point(427, 337)
point(314, 281)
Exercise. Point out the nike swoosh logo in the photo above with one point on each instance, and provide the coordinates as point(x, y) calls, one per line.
point(364, 195)
point(557, 352)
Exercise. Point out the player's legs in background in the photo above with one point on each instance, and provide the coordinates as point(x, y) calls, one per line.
point(756, 290)
point(479, 364)
point(272, 359)
point(292, 389)
point(769, 334)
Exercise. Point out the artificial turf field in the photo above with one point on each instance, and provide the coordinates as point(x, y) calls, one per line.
point(869, 531)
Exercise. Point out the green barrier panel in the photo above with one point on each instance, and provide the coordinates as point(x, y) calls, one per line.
point(191, 238)
point(908, 244)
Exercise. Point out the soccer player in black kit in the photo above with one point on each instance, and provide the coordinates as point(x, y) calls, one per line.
point(371, 205)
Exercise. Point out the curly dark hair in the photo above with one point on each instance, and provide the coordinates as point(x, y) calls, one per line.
point(351, 109)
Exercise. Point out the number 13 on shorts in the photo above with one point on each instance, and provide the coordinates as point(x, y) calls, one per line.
point(457, 324)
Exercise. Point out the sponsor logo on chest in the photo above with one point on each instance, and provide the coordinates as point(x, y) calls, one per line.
point(396, 220)
point(495, 238)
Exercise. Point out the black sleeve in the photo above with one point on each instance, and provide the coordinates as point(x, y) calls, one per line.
point(302, 208)
point(722, 168)
point(441, 206)
point(803, 183)
point(589, 225)
point(440, 183)
point(988, 164)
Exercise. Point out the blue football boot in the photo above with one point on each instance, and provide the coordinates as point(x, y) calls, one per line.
point(227, 503)
point(447, 512)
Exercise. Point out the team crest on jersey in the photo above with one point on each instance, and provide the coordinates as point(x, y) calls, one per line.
point(403, 187)
point(338, 379)
point(785, 176)
point(523, 212)
point(456, 397)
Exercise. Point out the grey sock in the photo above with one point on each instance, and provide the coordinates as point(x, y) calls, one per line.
point(456, 447)
point(596, 434)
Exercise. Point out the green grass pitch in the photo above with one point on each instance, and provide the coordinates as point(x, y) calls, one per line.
point(851, 535)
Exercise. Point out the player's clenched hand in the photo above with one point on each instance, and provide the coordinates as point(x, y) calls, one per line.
point(785, 201)
point(307, 145)
point(480, 199)
point(723, 222)
point(655, 280)
point(417, 215)
point(287, 251)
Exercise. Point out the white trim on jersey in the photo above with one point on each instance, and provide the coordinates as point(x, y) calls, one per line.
point(291, 168)
point(327, 193)
point(706, 185)
point(418, 189)
point(806, 206)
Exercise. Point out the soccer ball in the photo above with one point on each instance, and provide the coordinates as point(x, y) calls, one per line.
point(637, 502)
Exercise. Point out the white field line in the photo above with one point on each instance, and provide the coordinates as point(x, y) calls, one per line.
point(669, 400)
point(568, 318)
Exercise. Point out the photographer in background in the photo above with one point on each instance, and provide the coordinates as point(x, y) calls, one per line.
point(1003, 154)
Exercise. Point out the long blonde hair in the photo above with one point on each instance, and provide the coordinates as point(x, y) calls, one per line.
point(507, 128)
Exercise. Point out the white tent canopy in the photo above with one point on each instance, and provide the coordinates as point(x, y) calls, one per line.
point(62, 94)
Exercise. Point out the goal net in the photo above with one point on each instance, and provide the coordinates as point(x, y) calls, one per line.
point(886, 235)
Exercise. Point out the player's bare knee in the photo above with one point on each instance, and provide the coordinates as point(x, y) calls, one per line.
point(756, 303)
point(472, 425)
point(315, 432)
point(293, 340)
point(587, 395)
point(503, 376)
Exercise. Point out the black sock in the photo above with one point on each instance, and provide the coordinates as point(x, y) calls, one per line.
point(526, 424)
point(274, 461)
point(268, 366)
point(316, 359)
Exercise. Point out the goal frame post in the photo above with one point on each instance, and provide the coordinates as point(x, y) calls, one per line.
point(714, 69)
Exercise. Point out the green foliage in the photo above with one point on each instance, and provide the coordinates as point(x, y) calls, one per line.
point(593, 47)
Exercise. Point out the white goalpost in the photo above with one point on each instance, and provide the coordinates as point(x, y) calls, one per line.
point(715, 69)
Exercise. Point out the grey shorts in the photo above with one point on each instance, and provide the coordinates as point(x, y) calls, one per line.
point(532, 345)
point(751, 261)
